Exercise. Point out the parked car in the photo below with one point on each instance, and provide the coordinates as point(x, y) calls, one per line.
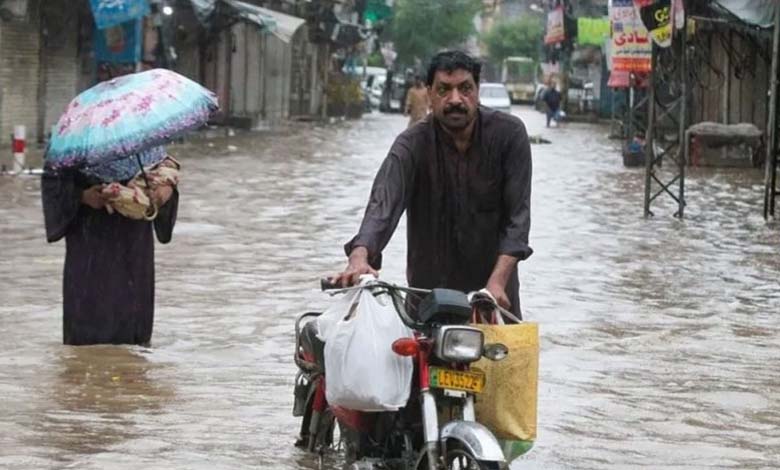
point(394, 103)
point(496, 96)
point(375, 91)
point(539, 97)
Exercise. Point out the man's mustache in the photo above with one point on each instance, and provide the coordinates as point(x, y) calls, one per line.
point(456, 109)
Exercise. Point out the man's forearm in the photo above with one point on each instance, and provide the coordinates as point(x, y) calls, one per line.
point(505, 266)
point(359, 253)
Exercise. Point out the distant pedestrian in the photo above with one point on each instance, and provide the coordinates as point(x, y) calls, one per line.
point(552, 98)
point(417, 102)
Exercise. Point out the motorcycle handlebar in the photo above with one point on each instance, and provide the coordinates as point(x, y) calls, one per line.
point(327, 284)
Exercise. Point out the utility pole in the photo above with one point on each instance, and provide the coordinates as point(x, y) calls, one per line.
point(770, 174)
point(669, 89)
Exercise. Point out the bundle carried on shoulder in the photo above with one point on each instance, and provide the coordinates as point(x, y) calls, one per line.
point(133, 199)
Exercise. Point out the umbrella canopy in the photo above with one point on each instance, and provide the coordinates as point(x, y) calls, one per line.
point(126, 168)
point(126, 116)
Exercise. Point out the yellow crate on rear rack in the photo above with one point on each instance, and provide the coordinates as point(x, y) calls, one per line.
point(508, 404)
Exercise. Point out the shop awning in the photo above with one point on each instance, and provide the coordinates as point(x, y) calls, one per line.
point(756, 12)
point(284, 25)
point(279, 24)
point(251, 13)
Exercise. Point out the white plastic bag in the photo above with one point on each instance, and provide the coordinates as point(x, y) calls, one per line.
point(340, 309)
point(363, 373)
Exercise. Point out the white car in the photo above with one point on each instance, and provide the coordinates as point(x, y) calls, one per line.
point(376, 91)
point(495, 95)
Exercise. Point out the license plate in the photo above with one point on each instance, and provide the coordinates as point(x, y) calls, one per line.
point(472, 381)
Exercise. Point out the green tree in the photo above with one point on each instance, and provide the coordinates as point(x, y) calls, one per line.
point(520, 37)
point(422, 27)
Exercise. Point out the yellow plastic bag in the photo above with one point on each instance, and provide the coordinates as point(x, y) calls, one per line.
point(507, 406)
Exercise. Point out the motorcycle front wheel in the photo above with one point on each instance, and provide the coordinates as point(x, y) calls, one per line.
point(458, 458)
point(461, 459)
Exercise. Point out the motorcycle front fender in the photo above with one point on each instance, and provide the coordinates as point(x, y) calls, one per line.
point(474, 438)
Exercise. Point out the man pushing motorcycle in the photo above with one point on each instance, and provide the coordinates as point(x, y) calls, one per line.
point(463, 176)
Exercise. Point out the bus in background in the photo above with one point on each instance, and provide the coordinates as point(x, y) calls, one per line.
point(519, 77)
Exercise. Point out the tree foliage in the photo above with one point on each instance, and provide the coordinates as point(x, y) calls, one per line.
point(420, 28)
point(521, 37)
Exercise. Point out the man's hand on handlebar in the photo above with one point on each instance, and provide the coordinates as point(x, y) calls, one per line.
point(499, 293)
point(356, 267)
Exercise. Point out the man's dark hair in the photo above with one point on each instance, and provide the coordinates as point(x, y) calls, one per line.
point(450, 61)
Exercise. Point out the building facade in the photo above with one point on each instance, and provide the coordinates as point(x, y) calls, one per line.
point(266, 66)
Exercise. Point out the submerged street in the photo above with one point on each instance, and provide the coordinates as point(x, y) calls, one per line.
point(659, 337)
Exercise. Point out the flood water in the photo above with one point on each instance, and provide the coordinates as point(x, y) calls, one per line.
point(660, 337)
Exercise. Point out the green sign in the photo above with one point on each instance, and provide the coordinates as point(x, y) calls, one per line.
point(377, 10)
point(593, 31)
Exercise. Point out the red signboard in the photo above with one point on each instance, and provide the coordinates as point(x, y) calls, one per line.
point(555, 29)
point(630, 47)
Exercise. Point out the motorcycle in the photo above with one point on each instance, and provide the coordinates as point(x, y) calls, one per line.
point(437, 430)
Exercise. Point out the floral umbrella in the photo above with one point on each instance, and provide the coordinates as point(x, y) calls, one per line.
point(124, 169)
point(127, 116)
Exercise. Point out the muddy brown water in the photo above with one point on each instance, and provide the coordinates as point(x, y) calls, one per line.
point(660, 338)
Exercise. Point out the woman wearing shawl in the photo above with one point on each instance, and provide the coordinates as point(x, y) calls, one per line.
point(108, 284)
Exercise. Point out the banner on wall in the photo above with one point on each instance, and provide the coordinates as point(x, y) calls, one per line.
point(120, 44)
point(592, 31)
point(618, 79)
point(555, 30)
point(630, 44)
point(656, 16)
point(108, 13)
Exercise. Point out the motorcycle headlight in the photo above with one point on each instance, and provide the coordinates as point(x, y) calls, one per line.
point(459, 343)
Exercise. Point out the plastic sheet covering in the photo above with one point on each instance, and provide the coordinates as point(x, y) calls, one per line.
point(717, 133)
point(757, 12)
point(204, 9)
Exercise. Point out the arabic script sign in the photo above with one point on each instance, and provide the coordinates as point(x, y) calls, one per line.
point(631, 46)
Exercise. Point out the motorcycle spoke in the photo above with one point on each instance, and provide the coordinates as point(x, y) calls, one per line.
point(460, 460)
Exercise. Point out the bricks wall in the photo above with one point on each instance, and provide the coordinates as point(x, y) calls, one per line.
point(61, 67)
point(19, 73)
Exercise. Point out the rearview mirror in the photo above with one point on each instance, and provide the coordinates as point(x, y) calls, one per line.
point(495, 351)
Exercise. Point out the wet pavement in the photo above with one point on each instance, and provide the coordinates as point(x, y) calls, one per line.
point(660, 338)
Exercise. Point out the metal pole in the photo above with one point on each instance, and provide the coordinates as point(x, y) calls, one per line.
point(325, 81)
point(683, 117)
point(649, 145)
point(631, 129)
point(770, 174)
point(726, 90)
